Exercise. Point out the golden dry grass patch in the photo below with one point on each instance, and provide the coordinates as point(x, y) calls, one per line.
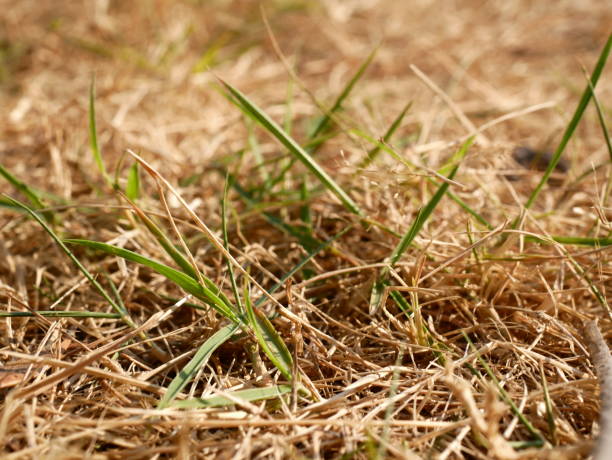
point(388, 383)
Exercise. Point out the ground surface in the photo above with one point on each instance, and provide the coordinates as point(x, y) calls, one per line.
point(382, 380)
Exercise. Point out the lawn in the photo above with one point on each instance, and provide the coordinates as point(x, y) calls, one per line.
point(361, 229)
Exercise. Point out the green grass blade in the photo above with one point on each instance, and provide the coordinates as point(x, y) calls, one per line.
point(93, 133)
point(58, 314)
point(324, 123)
point(22, 187)
point(184, 281)
point(195, 364)
point(374, 151)
point(76, 261)
point(132, 190)
point(420, 219)
point(571, 127)
point(294, 148)
point(269, 340)
point(426, 211)
point(252, 394)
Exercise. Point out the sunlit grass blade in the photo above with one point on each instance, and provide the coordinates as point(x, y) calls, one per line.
point(58, 314)
point(422, 215)
point(208, 294)
point(269, 340)
point(93, 133)
point(324, 123)
point(132, 189)
point(252, 394)
point(124, 314)
point(374, 151)
point(195, 364)
point(571, 127)
point(294, 148)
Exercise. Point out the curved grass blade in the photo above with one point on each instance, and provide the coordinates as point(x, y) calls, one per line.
point(252, 394)
point(195, 364)
point(124, 314)
point(268, 339)
point(571, 127)
point(250, 109)
point(32, 196)
point(187, 283)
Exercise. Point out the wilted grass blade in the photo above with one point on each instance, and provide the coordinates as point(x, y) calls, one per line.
point(208, 294)
point(93, 133)
point(571, 127)
point(294, 148)
point(252, 394)
point(195, 364)
point(268, 339)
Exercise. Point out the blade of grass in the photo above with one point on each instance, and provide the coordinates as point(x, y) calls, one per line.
point(571, 127)
point(294, 148)
point(324, 123)
point(22, 187)
point(269, 340)
point(93, 133)
point(184, 281)
point(419, 220)
point(132, 189)
point(577, 240)
point(199, 360)
point(252, 394)
point(374, 151)
point(124, 314)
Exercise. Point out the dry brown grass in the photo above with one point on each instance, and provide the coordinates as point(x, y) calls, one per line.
point(66, 394)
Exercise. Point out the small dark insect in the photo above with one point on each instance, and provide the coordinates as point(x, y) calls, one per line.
point(536, 160)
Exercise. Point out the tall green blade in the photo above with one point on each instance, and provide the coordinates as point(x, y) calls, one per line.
point(571, 127)
point(250, 109)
